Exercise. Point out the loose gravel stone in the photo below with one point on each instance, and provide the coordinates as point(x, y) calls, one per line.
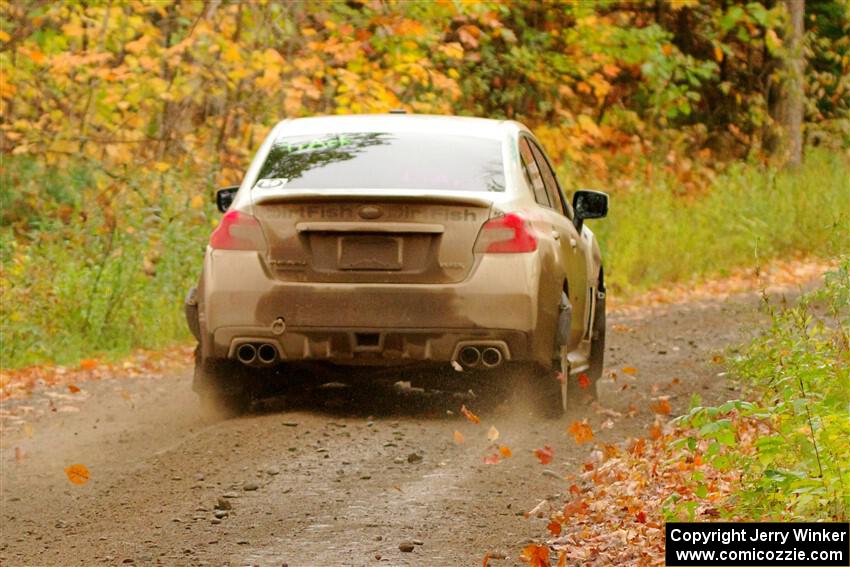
point(250, 486)
point(406, 546)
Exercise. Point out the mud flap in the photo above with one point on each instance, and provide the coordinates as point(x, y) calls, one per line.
point(565, 377)
point(562, 340)
point(190, 309)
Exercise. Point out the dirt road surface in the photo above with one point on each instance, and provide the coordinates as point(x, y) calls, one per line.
point(329, 476)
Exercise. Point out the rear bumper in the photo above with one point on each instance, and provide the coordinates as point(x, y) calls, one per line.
point(378, 324)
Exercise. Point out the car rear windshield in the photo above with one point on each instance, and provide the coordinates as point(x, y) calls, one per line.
point(382, 160)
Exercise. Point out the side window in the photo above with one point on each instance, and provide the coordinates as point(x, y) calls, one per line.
point(532, 172)
point(550, 182)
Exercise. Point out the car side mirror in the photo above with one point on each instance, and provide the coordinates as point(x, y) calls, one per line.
point(224, 197)
point(589, 205)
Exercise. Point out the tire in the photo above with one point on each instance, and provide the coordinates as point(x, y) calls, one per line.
point(597, 346)
point(223, 387)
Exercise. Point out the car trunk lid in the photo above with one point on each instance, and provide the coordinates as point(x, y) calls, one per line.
point(371, 237)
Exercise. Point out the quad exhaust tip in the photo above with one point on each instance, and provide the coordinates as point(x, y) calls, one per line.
point(246, 353)
point(266, 353)
point(491, 357)
point(487, 356)
point(254, 354)
point(470, 356)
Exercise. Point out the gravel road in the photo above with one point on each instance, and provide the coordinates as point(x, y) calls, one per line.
point(329, 476)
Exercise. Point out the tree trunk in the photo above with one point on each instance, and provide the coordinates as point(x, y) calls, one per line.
point(790, 103)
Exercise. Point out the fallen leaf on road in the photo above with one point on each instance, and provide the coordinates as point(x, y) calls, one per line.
point(469, 415)
point(554, 528)
point(88, 363)
point(459, 438)
point(492, 459)
point(631, 370)
point(655, 431)
point(492, 434)
point(581, 431)
point(536, 555)
point(77, 473)
point(73, 388)
point(505, 451)
point(583, 380)
point(661, 407)
point(545, 454)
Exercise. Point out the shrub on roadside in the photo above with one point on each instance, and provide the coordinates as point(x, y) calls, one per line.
point(788, 446)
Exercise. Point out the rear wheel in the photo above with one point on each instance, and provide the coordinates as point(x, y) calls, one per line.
point(597, 345)
point(223, 387)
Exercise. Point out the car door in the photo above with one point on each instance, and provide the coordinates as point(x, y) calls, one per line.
point(573, 248)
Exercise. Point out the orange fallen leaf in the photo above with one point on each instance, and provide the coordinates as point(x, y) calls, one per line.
point(581, 431)
point(545, 454)
point(536, 555)
point(77, 473)
point(583, 380)
point(73, 388)
point(577, 506)
point(459, 438)
point(469, 415)
point(486, 561)
point(631, 370)
point(662, 407)
point(505, 451)
point(574, 489)
point(640, 517)
point(554, 528)
point(88, 363)
point(562, 559)
point(655, 431)
point(638, 448)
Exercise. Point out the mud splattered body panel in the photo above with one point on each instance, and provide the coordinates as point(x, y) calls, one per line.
point(404, 260)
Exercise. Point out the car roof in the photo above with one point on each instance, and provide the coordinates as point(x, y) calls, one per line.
point(423, 123)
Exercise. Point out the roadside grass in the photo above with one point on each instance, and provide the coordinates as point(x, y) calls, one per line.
point(94, 267)
point(95, 264)
point(749, 215)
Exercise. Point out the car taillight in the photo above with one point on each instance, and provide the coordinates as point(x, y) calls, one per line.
point(237, 231)
point(506, 235)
